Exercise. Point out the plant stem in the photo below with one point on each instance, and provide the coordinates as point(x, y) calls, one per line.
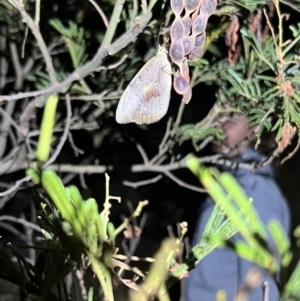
point(104, 277)
point(37, 12)
point(113, 23)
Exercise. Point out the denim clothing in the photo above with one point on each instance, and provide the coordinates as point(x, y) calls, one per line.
point(223, 269)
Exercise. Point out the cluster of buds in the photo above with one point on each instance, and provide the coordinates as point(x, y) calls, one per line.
point(188, 39)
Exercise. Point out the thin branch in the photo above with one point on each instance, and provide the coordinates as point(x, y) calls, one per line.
point(288, 3)
point(291, 154)
point(206, 141)
point(9, 109)
point(101, 13)
point(135, 214)
point(184, 184)
point(14, 231)
point(53, 157)
point(11, 120)
point(115, 65)
point(17, 66)
point(21, 221)
point(142, 153)
point(142, 183)
point(166, 135)
point(134, 241)
point(15, 186)
point(63, 168)
point(266, 291)
point(138, 26)
point(113, 23)
point(41, 43)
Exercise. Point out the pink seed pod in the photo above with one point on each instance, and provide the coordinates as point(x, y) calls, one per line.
point(197, 52)
point(188, 44)
point(177, 30)
point(208, 6)
point(187, 96)
point(199, 24)
point(184, 69)
point(191, 5)
point(200, 39)
point(181, 83)
point(176, 52)
point(177, 6)
point(187, 23)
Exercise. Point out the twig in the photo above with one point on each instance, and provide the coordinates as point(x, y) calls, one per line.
point(63, 168)
point(107, 205)
point(21, 221)
point(166, 135)
point(3, 59)
point(113, 23)
point(204, 143)
point(53, 157)
point(183, 184)
point(10, 119)
point(101, 13)
point(288, 3)
point(266, 291)
point(179, 114)
point(5, 126)
point(134, 241)
point(80, 278)
point(136, 213)
point(291, 154)
point(15, 186)
point(73, 146)
point(6, 198)
point(17, 66)
point(142, 153)
point(142, 183)
point(13, 231)
point(37, 34)
point(115, 65)
point(82, 181)
point(138, 26)
point(37, 12)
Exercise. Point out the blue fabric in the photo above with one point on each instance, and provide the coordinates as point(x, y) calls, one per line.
point(222, 269)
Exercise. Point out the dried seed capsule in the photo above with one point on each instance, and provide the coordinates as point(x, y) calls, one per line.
point(188, 44)
point(176, 52)
point(187, 23)
point(187, 96)
point(177, 6)
point(177, 30)
point(197, 52)
point(185, 69)
point(208, 6)
point(191, 5)
point(181, 83)
point(199, 24)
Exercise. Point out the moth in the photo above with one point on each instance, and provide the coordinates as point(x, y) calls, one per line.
point(146, 99)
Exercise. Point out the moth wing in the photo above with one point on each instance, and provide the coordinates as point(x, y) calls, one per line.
point(132, 95)
point(146, 99)
point(121, 116)
point(156, 93)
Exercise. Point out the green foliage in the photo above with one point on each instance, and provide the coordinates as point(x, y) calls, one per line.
point(45, 138)
point(263, 81)
point(230, 198)
point(249, 5)
point(197, 133)
point(73, 37)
